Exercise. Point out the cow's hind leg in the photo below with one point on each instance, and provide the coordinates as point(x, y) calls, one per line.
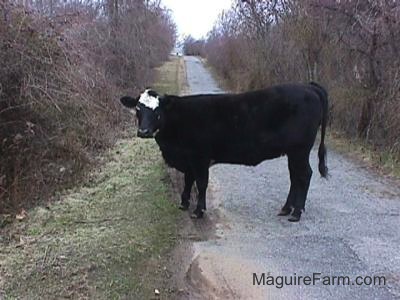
point(201, 177)
point(301, 172)
point(185, 197)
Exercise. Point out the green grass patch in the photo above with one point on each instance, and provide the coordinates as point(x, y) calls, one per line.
point(101, 241)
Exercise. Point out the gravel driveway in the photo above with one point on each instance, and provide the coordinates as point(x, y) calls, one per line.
point(351, 227)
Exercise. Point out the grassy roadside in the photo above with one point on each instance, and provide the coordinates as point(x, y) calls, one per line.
point(175, 68)
point(105, 240)
point(382, 161)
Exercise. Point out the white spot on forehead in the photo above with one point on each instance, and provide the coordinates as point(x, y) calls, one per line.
point(149, 101)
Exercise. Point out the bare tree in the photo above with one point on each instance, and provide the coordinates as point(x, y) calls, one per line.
point(350, 46)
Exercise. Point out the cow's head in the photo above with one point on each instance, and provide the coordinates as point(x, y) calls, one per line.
point(148, 112)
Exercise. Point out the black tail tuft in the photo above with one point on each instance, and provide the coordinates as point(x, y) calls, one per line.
point(322, 165)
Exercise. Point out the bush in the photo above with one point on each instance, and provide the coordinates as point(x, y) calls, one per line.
point(60, 78)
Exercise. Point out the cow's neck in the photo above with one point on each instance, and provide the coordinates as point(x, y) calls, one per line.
point(175, 120)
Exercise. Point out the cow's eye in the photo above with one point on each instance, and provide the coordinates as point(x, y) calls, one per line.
point(158, 117)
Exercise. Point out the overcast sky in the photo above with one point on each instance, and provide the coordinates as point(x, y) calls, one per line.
point(196, 17)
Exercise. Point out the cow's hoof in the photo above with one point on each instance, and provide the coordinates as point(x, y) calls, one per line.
point(197, 214)
point(285, 212)
point(295, 217)
point(183, 207)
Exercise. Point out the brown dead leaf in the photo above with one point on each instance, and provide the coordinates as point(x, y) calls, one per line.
point(22, 215)
point(21, 243)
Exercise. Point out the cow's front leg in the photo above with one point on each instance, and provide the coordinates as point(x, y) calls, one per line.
point(185, 197)
point(201, 177)
point(291, 199)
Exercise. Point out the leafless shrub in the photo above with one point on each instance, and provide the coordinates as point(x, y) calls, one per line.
point(62, 67)
point(191, 46)
point(352, 47)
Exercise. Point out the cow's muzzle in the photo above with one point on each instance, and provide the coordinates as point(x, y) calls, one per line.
point(144, 133)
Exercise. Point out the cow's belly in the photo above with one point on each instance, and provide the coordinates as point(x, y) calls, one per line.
point(246, 153)
point(250, 154)
point(247, 161)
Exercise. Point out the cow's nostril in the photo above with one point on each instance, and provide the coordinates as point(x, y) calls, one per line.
point(144, 131)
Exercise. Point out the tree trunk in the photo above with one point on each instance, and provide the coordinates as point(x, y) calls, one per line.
point(368, 104)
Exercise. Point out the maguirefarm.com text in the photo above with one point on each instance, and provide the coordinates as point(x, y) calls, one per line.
point(280, 281)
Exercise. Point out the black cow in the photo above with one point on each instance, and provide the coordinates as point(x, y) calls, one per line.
point(195, 132)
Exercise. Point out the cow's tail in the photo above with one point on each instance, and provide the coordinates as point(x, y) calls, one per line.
point(323, 95)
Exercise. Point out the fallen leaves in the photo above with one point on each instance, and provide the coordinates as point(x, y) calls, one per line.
point(22, 215)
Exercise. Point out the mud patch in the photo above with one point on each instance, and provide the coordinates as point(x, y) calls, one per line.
point(214, 275)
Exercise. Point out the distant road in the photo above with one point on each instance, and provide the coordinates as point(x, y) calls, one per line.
point(351, 227)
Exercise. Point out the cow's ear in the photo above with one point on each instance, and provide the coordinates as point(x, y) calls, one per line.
point(129, 101)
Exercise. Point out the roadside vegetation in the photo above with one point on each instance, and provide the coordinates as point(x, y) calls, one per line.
point(63, 66)
point(107, 239)
point(351, 47)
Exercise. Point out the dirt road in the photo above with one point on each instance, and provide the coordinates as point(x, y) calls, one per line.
point(350, 228)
